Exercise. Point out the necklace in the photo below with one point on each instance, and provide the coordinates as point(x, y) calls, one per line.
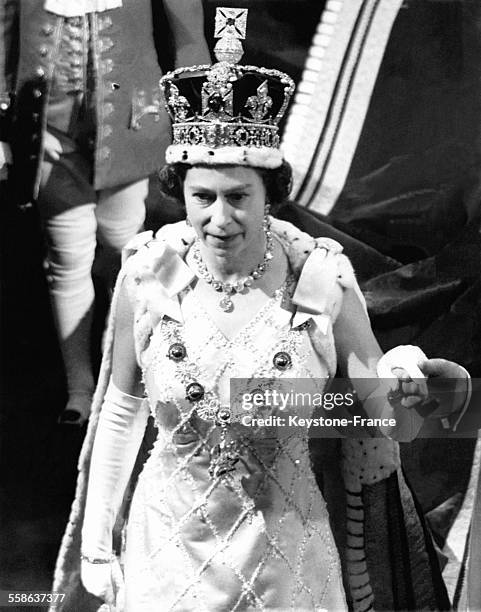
point(228, 289)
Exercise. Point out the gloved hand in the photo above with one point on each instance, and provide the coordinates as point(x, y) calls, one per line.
point(105, 580)
point(119, 434)
point(399, 367)
point(435, 388)
point(402, 386)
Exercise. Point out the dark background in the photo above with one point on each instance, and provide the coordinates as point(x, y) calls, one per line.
point(410, 206)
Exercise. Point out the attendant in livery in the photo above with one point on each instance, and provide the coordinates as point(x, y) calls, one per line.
point(223, 517)
point(82, 115)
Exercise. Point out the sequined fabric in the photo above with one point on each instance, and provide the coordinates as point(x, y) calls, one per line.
point(257, 538)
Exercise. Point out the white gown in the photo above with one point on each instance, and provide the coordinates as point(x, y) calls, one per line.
point(257, 538)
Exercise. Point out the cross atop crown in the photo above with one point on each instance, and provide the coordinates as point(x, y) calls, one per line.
point(230, 28)
point(230, 22)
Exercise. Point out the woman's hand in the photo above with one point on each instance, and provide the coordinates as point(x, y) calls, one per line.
point(399, 367)
point(445, 392)
point(104, 580)
point(405, 389)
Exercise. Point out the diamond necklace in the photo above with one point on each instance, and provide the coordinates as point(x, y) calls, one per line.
point(228, 289)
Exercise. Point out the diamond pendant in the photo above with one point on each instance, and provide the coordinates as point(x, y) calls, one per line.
point(226, 304)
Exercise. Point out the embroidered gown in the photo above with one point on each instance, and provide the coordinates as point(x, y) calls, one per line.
point(257, 538)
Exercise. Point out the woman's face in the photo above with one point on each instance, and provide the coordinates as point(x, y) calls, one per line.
point(225, 205)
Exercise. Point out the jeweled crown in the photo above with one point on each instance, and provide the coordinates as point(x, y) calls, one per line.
point(226, 113)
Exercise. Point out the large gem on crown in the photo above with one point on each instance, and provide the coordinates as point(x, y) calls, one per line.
point(242, 136)
point(195, 135)
point(215, 103)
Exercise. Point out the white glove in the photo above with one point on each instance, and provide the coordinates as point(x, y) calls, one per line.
point(106, 581)
point(120, 430)
point(399, 371)
point(404, 357)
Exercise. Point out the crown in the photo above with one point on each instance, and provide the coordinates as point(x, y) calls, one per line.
point(226, 113)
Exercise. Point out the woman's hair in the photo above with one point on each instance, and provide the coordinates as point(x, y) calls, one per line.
point(277, 183)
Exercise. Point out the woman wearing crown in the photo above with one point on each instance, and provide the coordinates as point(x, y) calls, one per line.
point(226, 516)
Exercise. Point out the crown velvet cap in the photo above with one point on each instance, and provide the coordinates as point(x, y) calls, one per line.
point(226, 113)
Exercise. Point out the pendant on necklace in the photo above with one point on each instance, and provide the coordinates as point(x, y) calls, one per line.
point(226, 304)
point(241, 285)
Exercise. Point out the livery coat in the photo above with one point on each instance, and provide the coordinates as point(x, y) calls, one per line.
point(41, 52)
